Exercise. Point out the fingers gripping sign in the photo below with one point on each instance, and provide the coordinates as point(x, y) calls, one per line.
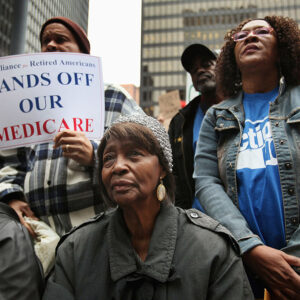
point(75, 145)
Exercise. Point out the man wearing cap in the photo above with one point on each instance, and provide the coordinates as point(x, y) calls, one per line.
point(56, 182)
point(184, 128)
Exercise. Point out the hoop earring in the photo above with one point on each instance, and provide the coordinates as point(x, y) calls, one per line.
point(161, 191)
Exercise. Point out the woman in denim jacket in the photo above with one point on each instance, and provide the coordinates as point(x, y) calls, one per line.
point(248, 156)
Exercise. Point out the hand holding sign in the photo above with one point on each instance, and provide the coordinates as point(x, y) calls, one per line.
point(75, 145)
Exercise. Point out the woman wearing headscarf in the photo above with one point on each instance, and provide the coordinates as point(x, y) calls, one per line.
point(146, 248)
point(55, 182)
point(248, 157)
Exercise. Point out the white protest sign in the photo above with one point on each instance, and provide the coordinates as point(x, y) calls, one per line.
point(44, 93)
point(190, 91)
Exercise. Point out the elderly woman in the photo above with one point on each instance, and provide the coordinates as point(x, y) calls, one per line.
point(247, 158)
point(146, 248)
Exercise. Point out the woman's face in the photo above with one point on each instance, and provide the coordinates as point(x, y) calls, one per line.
point(58, 38)
point(256, 50)
point(130, 174)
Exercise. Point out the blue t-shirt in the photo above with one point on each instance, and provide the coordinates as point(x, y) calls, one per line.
point(259, 189)
point(196, 129)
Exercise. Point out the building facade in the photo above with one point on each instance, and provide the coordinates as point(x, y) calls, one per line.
point(169, 26)
point(35, 13)
point(6, 25)
point(133, 90)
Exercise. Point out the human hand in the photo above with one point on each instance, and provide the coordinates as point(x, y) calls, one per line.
point(274, 268)
point(75, 145)
point(22, 209)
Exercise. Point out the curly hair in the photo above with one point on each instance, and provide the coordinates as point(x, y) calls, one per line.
point(288, 41)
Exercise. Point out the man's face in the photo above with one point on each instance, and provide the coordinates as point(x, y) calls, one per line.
point(203, 75)
point(58, 38)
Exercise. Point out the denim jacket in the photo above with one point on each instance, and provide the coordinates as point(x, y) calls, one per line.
point(216, 160)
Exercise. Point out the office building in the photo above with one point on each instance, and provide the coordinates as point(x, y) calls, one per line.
point(133, 90)
point(169, 26)
point(14, 14)
point(6, 21)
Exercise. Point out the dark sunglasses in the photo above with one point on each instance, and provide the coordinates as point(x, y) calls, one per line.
point(260, 31)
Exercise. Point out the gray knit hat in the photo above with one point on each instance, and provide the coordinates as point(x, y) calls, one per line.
point(156, 128)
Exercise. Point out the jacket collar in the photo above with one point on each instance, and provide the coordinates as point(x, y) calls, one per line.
point(7, 210)
point(228, 103)
point(191, 107)
point(123, 259)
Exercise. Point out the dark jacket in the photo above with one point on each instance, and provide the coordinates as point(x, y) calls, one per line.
point(181, 139)
point(20, 271)
point(190, 256)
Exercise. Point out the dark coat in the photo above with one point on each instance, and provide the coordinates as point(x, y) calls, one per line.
point(181, 139)
point(21, 275)
point(190, 257)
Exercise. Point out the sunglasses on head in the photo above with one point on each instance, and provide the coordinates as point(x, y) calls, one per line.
point(260, 31)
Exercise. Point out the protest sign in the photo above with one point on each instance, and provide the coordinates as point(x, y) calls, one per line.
point(169, 105)
point(42, 94)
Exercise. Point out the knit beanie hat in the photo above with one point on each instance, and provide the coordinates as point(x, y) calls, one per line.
point(76, 30)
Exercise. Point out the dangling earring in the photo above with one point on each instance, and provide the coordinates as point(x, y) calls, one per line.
point(238, 81)
point(161, 191)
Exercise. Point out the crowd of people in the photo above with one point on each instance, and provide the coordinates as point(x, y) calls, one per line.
point(209, 210)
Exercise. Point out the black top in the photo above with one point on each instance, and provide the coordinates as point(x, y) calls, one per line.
point(181, 139)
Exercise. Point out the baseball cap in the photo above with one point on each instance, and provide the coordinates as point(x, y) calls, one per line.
point(196, 50)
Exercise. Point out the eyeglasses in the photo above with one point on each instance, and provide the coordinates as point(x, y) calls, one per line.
point(260, 31)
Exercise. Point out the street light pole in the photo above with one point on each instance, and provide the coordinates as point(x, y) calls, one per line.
point(19, 26)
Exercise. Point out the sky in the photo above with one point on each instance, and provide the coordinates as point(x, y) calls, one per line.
point(114, 31)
